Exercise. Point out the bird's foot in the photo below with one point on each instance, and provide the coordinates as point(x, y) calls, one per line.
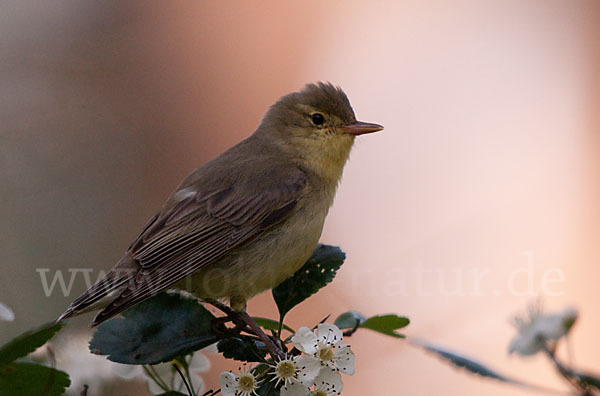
point(244, 322)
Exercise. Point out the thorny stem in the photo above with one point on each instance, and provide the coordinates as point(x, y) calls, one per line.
point(242, 318)
point(567, 374)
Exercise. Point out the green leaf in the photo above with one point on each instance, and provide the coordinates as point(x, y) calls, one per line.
point(386, 324)
point(270, 324)
point(28, 342)
point(155, 330)
point(242, 348)
point(474, 367)
point(464, 362)
point(317, 272)
point(18, 379)
point(348, 320)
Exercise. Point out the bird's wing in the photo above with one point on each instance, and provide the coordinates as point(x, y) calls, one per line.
point(199, 229)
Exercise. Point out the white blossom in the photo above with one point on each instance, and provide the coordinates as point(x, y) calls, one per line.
point(305, 340)
point(228, 383)
point(324, 344)
point(84, 368)
point(299, 369)
point(127, 371)
point(72, 355)
point(6, 314)
point(243, 384)
point(328, 382)
point(294, 389)
point(536, 329)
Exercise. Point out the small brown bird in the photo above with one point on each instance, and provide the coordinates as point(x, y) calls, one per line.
point(245, 221)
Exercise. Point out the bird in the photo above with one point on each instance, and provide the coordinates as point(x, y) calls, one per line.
point(248, 219)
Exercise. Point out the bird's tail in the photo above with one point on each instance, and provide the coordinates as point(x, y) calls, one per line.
point(102, 292)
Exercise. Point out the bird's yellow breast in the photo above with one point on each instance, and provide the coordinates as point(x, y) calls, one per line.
point(256, 267)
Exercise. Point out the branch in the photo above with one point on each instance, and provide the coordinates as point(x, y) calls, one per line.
point(568, 375)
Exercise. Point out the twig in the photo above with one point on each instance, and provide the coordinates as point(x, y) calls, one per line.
point(276, 336)
point(187, 386)
point(568, 375)
point(570, 351)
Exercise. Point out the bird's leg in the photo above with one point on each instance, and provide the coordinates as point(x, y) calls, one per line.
point(218, 325)
point(238, 305)
point(276, 352)
point(241, 318)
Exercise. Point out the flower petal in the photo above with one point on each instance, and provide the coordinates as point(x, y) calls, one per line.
point(526, 343)
point(73, 356)
point(552, 327)
point(199, 363)
point(329, 381)
point(6, 313)
point(308, 369)
point(154, 388)
point(344, 359)
point(305, 340)
point(228, 383)
point(212, 348)
point(293, 389)
point(127, 371)
point(164, 370)
point(328, 334)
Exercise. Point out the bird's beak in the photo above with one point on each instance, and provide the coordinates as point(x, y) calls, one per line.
point(359, 128)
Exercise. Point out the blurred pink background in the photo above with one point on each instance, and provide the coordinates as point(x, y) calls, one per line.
point(489, 161)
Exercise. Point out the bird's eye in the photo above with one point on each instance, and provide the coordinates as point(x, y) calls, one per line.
point(317, 118)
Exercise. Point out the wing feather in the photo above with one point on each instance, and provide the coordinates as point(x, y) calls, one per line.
point(199, 230)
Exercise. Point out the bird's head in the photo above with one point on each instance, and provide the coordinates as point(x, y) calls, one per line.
point(317, 125)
